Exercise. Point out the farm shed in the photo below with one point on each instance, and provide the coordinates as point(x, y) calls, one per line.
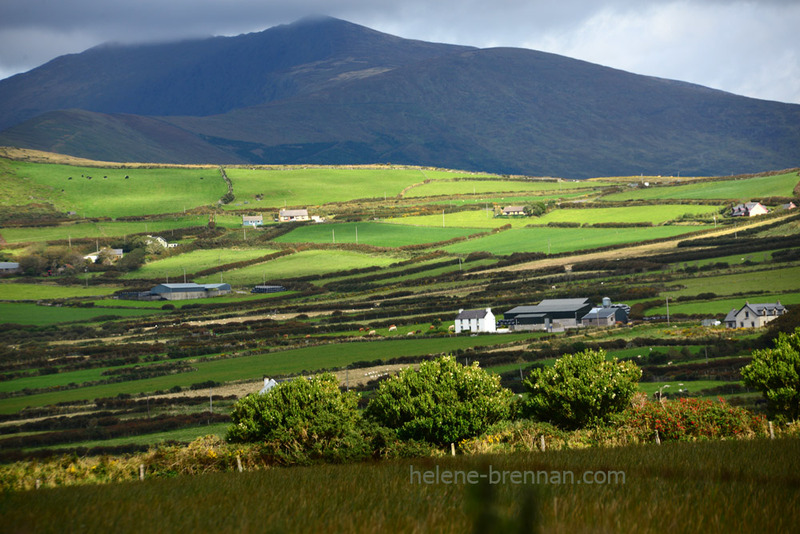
point(607, 315)
point(547, 315)
point(293, 215)
point(267, 289)
point(754, 315)
point(475, 321)
point(252, 220)
point(190, 291)
point(749, 209)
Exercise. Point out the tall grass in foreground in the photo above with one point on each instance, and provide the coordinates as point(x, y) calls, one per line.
point(723, 486)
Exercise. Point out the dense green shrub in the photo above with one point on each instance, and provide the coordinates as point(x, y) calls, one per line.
point(580, 389)
point(776, 373)
point(300, 421)
point(690, 419)
point(442, 402)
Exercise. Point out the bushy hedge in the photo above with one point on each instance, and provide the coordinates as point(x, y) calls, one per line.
point(442, 402)
point(776, 373)
point(300, 421)
point(581, 389)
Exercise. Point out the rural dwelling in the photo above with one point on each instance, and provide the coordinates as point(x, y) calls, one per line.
point(293, 215)
point(156, 239)
point(789, 206)
point(749, 209)
point(475, 321)
point(514, 210)
point(252, 220)
point(607, 315)
point(110, 254)
point(9, 267)
point(754, 315)
point(549, 314)
point(190, 291)
point(269, 383)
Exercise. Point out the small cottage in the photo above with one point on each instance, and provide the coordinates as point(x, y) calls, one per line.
point(475, 321)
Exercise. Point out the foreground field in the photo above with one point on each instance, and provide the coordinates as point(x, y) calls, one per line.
point(734, 486)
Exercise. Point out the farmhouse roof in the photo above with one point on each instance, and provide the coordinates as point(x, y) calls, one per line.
point(472, 314)
point(552, 305)
point(731, 317)
point(187, 287)
point(294, 213)
point(765, 309)
point(514, 208)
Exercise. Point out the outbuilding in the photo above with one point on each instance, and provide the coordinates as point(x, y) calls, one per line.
point(190, 291)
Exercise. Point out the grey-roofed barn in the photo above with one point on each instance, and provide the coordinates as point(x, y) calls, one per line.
point(190, 291)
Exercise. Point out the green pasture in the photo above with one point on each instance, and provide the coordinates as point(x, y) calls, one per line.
point(304, 263)
point(31, 314)
point(194, 261)
point(784, 280)
point(467, 187)
point(309, 359)
point(708, 486)
point(633, 214)
point(11, 291)
point(107, 229)
point(744, 189)
point(720, 307)
point(371, 233)
point(505, 200)
point(109, 194)
point(317, 186)
point(559, 240)
point(733, 259)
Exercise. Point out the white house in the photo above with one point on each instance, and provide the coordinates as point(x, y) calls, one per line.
point(252, 220)
point(475, 321)
point(749, 209)
point(754, 315)
point(293, 215)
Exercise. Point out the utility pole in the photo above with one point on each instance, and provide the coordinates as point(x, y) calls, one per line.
point(667, 311)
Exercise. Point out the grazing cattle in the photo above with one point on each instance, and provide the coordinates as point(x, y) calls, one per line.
point(392, 328)
point(371, 333)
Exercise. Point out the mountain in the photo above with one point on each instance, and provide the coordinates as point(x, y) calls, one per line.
point(328, 91)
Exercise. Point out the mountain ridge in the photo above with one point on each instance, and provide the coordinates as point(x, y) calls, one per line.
point(331, 92)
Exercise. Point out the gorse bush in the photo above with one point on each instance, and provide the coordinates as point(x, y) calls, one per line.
point(300, 421)
point(690, 419)
point(580, 389)
point(776, 373)
point(443, 402)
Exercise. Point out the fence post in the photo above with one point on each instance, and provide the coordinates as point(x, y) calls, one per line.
point(541, 443)
point(452, 449)
point(38, 483)
point(658, 439)
point(771, 430)
point(141, 471)
point(239, 463)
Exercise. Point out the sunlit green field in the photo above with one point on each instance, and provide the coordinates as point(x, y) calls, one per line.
point(484, 218)
point(720, 307)
point(194, 261)
point(113, 228)
point(557, 240)
point(31, 314)
point(303, 186)
point(9, 291)
point(304, 263)
point(109, 194)
point(785, 279)
point(741, 189)
point(376, 234)
point(466, 187)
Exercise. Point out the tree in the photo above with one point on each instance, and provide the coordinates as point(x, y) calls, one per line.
point(776, 373)
point(305, 419)
point(580, 389)
point(442, 402)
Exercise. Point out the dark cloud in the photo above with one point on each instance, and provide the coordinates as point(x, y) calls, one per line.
point(739, 46)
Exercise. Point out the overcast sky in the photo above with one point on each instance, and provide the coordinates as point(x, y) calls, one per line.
point(744, 47)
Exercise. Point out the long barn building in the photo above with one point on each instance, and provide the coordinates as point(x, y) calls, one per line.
point(190, 291)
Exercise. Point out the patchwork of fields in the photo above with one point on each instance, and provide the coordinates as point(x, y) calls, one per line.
point(405, 248)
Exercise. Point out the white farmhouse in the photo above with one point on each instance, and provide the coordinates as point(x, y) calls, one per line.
point(475, 321)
